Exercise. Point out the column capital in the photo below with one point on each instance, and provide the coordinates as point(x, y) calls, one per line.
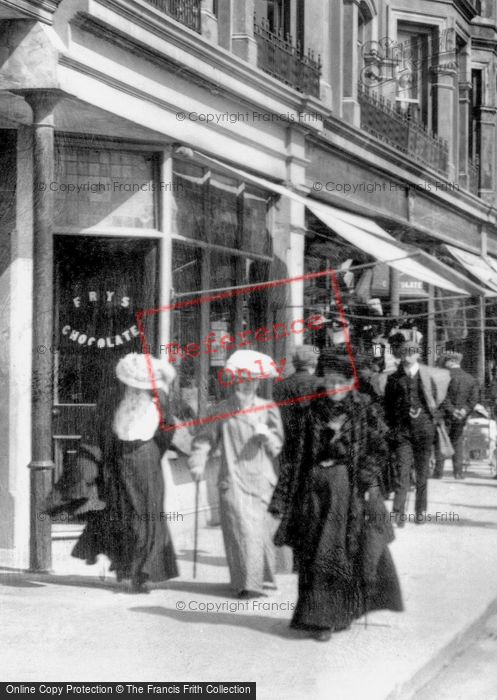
point(42, 103)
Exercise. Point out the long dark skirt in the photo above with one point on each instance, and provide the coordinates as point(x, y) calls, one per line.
point(332, 590)
point(132, 531)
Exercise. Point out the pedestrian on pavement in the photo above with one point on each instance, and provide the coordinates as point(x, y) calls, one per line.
point(462, 397)
point(127, 445)
point(250, 438)
point(302, 383)
point(338, 524)
point(413, 398)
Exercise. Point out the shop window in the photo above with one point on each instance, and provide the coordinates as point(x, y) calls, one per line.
point(103, 187)
point(256, 239)
point(100, 285)
point(218, 209)
point(188, 202)
point(223, 199)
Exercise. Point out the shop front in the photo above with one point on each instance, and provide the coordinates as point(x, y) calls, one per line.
point(124, 244)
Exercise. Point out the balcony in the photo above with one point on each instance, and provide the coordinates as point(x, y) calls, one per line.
point(409, 136)
point(185, 11)
point(281, 58)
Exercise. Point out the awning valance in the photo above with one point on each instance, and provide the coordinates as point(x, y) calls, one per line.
point(484, 268)
point(366, 235)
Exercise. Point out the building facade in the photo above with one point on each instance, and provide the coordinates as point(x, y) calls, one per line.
point(158, 151)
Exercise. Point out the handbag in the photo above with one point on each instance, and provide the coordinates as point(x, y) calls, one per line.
point(445, 449)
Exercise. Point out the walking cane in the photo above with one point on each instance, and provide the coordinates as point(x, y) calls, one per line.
point(195, 534)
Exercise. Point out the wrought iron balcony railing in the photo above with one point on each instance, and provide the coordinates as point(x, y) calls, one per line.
point(280, 57)
point(406, 134)
point(185, 11)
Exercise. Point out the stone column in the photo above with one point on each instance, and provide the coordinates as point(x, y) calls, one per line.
point(209, 21)
point(318, 14)
point(443, 86)
point(394, 292)
point(431, 327)
point(487, 153)
point(242, 39)
point(464, 127)
point(42, 103)
point(351, 110)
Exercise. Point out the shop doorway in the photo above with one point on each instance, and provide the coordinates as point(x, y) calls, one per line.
point(100, 285)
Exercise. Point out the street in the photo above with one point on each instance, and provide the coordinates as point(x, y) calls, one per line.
point(471, 675)
point(80, 626)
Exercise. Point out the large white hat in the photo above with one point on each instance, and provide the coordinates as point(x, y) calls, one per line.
point(134, 370)
point(257, 363)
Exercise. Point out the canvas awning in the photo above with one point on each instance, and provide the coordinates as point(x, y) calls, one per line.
point(366, 235)
point(484, 268)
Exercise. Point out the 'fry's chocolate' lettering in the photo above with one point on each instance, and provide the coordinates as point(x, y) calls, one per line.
point(111, 341)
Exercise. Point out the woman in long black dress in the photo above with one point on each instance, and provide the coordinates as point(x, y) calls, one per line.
point(337, 522)
point(128, 445)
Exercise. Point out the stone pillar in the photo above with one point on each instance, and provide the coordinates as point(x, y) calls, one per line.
point(443, 86)
point(42, 103)
point(487, 153)
point(480, 369)
point(464, 128)
point(242, 39)
point(224, 12)
point(209, 21)
point(351, 110)
point(394, 292)
point(318, 14)
point(430, 335)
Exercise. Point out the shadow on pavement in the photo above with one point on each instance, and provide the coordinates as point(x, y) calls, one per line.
point(201, 588)
point(202, 558)
point(28, 580)
point(259, 623)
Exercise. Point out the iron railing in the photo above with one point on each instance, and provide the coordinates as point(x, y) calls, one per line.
point(404, 133)
point(279, 56)
point(185, 11)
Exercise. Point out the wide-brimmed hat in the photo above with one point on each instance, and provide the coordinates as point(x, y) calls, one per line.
point(259, 365)
point(142, 372)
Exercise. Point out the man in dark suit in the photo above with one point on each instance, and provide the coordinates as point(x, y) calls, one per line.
point(413, 396)
point(462, 397)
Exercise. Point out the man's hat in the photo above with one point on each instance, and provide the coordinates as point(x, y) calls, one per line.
point(452, 356)
point(332, 363)
point(410, 347)
point(305, 356)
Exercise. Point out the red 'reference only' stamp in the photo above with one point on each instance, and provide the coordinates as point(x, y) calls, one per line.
point(244, 340)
